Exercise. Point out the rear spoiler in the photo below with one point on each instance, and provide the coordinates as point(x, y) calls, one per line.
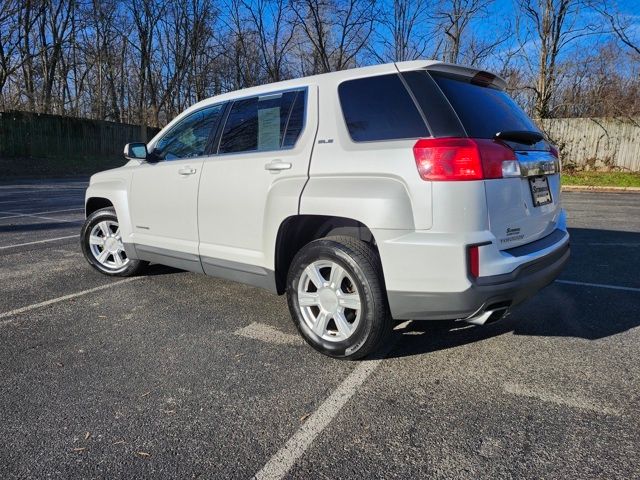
point(477, 76)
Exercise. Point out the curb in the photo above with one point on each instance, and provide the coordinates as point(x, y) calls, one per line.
point(591, 188)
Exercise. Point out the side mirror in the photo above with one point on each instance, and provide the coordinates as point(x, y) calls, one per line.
point(135, 151)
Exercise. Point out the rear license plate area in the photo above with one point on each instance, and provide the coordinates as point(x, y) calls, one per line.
point(540, 192)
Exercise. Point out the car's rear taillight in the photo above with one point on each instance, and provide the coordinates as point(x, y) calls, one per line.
point(464, 159)
point(474, 261)
point(553, 150)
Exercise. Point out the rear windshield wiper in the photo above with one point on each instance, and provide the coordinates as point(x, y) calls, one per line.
point(520, 136)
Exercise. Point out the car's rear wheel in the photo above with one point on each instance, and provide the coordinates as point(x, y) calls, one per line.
point(102, 245)
point(336, 296)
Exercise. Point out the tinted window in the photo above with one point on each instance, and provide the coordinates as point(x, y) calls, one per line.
point(484, 111)
point(190, 136)
point(380, 108)
point(441, 118)
point(258, 123)
point(296, 120)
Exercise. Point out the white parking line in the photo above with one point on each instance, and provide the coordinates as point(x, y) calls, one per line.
point(56, 219)
point(611, 244)
point(49, 186)
point(599, 285)
point(28, 214)
point(61, 299)
point(267, 333)
point(40, 217)
point(9, 215)
point(285, 458)
point(38, 241)
point(571, 400)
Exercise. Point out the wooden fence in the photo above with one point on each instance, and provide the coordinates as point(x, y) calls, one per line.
point(32, 135)
point(596, 143)
point(583, 142)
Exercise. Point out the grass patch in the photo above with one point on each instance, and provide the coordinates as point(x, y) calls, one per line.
point(56, 167)
point(602, 179)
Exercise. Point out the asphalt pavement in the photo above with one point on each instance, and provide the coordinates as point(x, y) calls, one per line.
point(176, 375)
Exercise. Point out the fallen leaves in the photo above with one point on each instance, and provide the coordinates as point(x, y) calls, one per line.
point(304, 417)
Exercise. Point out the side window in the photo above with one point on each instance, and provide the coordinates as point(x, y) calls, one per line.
point(190, 136)
point(380, 108)
point(259, 123)
point(296, 120)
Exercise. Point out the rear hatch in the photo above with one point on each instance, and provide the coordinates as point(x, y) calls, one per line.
point(524, 207)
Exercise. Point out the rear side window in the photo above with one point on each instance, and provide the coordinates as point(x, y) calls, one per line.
point(380, 108)
point(260, 123)
point(483, 111)
point(295, 124)
point(441, 119)
point(189, 137)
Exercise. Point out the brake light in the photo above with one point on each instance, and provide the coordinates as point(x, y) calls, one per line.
point(474, 261)
point(450, 159)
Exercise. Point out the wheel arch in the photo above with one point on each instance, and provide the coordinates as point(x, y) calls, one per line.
point(297, 231)
point(96, 203)
point(110, 192)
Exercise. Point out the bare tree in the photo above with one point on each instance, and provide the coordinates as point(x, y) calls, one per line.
point(202, 51)
point(28, 15)
point(274, 27)
point(553, 25)
point(596, 87)
point(241, 47)
point(337, 31)
point(54, 29)
point(620, 24)
point(404, 33)
point(146, 14)
point(9, 41)
point(454, 18)
point(146, 60)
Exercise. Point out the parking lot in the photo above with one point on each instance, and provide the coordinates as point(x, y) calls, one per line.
point(175, 375)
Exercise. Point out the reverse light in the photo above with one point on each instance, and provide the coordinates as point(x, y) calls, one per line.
point(451, 159)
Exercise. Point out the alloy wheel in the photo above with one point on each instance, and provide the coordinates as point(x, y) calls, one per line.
point(105, 243)
point(329, 300)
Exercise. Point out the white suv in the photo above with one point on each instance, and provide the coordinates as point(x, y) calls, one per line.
point(415, 190)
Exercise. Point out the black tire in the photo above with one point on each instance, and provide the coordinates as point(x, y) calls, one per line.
point(362, 264)
point(132, 267)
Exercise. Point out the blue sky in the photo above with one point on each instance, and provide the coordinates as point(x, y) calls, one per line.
point(501, 19)
point(502, 11)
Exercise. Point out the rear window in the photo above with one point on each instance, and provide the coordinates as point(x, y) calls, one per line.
point(483, 111)
point(380, 108)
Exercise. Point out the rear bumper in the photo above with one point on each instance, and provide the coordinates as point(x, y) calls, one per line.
point(488, 293)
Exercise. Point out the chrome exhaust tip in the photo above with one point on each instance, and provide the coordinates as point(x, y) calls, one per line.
point(488, 316)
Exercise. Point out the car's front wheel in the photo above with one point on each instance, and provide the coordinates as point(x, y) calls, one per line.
point(102, 245)
point(336, 296)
